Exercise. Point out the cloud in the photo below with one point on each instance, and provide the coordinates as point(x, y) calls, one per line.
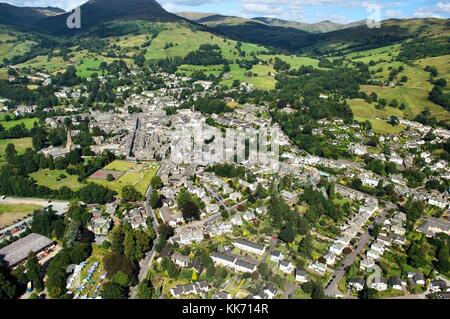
point(393, 13)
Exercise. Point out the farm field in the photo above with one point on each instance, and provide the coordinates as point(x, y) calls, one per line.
point(11, 213)
point(383, 53)
point(136, 174)
point(208, 70)
point(441, 63)
point(294, 61)
point(42, 63)
point(52, 179)
point(21, 145)
point(88, 65)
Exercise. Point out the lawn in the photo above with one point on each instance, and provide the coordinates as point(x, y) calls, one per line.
point(11, 213)
point(441, 63)
point(43, 63)
point(261, 81)
point(52, 180)
point(136, 174)
point(21, 145)
point(28, 122)
point(87, 64)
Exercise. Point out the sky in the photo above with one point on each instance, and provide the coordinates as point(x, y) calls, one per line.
point(341, 11)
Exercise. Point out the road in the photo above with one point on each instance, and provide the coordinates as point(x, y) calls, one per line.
point(146, 263)
point(332, 288)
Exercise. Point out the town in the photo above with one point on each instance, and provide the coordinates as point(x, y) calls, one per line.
point(133, 180)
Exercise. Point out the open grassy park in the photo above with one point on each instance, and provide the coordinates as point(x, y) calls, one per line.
point(12, 213)
point(28, 122)
point(129, 173)
point(136, 174)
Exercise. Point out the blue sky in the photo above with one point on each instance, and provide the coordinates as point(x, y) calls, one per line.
point(299, 10)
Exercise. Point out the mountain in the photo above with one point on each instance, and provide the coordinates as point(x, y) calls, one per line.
point(96, 12)
point(319, 27)
point(213, 20)
point(25, 16)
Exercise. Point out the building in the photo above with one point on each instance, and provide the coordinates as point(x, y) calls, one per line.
point(318, 267)
point(190, 289)
point(286, 267)
point(18, 251)
point(221, 295)
point(396, 283)
point(100, 226)
point(379, 284)
point(276, 256)
point(249, 246)
point(301, 276)
point(180, 260)
point(169, 218)
point(356, 283)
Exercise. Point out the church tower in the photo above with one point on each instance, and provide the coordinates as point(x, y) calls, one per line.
point(69, 143)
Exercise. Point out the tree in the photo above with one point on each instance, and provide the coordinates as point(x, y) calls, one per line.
point(155, 200)
point(306, 247)
point(110, 178)
point(131, 194)
point(116, 238)
point(156, 183)
point(145, 290)
point(10, 153)
point(112, 291)
point(34, 272)
point(368, 293)
point(122, 279)
point(287, 234)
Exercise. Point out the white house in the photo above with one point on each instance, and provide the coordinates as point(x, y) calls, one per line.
point(379, 283)
point(249, 246)
point(301, 276)
point(286, 267)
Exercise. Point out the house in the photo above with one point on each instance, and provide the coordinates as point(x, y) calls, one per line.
point(356, 283)
point(236, 220)
point(111, 208)
point(384, 240)
point(245, 266)
point(330, 258)
point(197, 266)
point(379, 283)
point(318, 267)
point(286, 267)
point(437, 286)
point(337, 248)
point(373, 254)
point(301, 276)
point(190, 289)
point(367, 263)
point(419, 279)
point(249, 216)
point(100, 226)
point(270, 291)
point(398, 229)
point(136, 218)
point(249, 246)
point(399, 240)
point(378, 247)
point(396, 283)
point(180, 260)
point(276, 256)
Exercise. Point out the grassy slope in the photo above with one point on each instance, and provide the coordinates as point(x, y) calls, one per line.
point(29, 122)
point(364, 111)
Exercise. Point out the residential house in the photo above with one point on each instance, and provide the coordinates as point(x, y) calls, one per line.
point(286, 267)
point(249, 246)
point(180, 260)
point(356, 283)
point(276, 256)
point(301, 276)
point(379, 283)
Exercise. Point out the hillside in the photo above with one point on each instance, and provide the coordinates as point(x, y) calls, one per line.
point(25, 16)
point(96, 12)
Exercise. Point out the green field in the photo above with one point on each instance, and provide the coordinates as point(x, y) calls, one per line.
point(208, 70)
point(137, 174)
point(383, 53)
point(87, 64)
point(414, 93)
point(21, 145)
point(441, 63)
point(28, 122)
point(44, 64)
point(364, 111)
point(294, 61)
point(52, 180)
